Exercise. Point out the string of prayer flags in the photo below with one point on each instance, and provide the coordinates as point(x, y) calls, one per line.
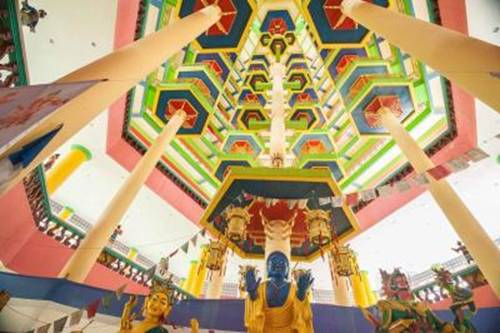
point(59, 324)
point(92, 308)
point(76, 317)
point(385, 190)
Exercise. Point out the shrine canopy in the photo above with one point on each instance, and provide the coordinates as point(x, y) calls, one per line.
point(278, 194)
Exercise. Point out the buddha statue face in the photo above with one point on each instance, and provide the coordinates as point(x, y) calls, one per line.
point(277, 266)
point(157, 306)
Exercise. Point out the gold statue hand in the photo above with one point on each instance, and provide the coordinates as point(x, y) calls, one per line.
point(128, 316)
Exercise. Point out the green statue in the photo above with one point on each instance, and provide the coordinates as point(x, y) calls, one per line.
point(400, 313)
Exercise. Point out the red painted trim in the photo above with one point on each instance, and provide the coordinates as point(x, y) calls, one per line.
point(484, 297)
point(25, 250)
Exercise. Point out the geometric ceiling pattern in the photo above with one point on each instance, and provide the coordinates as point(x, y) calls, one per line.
point(337, 75)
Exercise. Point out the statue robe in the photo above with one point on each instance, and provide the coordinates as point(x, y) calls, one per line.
point(295, 316)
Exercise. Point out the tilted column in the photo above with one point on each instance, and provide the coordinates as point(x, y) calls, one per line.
point(370, 295)
point(340, 286)
point(482, 248)
point(471, 63)
point(358, 290)
point(191, 278)
point(119, 71)
point(85, 256)
point(201, 272)
point(66, 166)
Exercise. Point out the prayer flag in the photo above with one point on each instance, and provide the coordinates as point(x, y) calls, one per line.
point(43, 329)
point(324, 201)
point(150, 273)
point(420, 179)
point(439, 172)
point(92, 308)
point(22, 109)
point(268, 202)
point(203, 232)
point(337, 201)
point(369, 194)
point(352, 198)
point(106, 301)
point(302, 203)
point(291, 203)
point(385, 190)
point(59, 324)
point(194, 239)
point(185, 247)
point(457, 164)
point(402, 185)
point(75, 317)
point(476, 154)
point(120, 291)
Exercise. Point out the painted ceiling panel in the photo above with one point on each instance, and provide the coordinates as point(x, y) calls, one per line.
point(223, 77)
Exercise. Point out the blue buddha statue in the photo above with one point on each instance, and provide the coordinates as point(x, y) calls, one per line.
point(277, 305)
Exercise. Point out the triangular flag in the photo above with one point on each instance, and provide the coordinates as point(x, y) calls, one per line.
point(420, 179)
point(324, 201)
point(194, 239)
point(369, 194)
point(163, 265)
point(497, 136)
point(119, 291)
point(268, 202)
point(302, 203)
point(476, 154)
point(185, 247)
point(106, 301)
point(385, 190)
point(402, 185)
point(76, 317)
point(92, 308)
point(150, 273)
point(203, 232)
point(337, 201)
point(44, 328)
point(439, 172)
point(291, 204)
point(32, 149)
point(59, 324)
point(457, 164)
point(352, 198)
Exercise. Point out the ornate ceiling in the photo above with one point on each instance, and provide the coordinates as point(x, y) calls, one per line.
point(338, 73)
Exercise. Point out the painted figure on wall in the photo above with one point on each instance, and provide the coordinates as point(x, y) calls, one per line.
point(400, 312)
point(463, 306)
point(278, 305)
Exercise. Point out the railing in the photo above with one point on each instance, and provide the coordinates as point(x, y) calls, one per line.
point(71, 232)
point(466, 274)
